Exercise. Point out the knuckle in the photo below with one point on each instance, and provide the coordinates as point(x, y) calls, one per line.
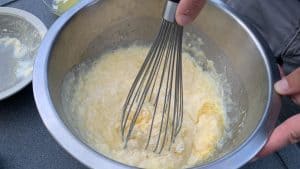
point(298, 71)
point(296, 99)
point(292, 128)
point(294, 137)
point(294, 81)
point(197, 3)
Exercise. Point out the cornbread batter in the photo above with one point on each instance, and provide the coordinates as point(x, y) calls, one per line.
point(97, 91)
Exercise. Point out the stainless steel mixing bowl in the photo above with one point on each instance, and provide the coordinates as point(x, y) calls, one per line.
point(237, 50)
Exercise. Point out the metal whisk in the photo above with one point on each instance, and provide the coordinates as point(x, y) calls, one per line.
point(157, 88)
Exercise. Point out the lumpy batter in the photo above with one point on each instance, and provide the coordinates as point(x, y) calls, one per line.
point(97, 91)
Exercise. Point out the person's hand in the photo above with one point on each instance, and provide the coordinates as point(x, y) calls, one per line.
point(289, 131)
point(188, 10)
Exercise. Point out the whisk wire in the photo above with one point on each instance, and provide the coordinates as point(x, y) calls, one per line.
point(146, 74)
point(129, 100)
point(174, 121)
point(160, 82)
point(166, 96)
point(168, 89)
point(180, 84)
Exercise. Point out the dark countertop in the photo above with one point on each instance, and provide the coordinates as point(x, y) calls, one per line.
point(26, 144)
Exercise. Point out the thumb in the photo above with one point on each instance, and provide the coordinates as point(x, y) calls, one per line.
point(286, 133)
point(290, 84)
point(187, 11)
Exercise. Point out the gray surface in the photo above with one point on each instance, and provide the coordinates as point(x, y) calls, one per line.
point(26, 144)
point(5, 2)
point(24, 141)
point(35, 7)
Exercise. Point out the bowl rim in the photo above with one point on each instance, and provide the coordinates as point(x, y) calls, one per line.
point(86, 155)
point(39, 26)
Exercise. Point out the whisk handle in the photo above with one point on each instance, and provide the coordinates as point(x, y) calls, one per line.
point(170, 10)
point(176, 1)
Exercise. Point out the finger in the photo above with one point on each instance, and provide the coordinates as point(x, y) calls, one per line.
point(286, 133)
point(290, 84)
point(188, 10)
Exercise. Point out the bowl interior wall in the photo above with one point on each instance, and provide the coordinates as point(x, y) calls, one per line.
point(114, 23)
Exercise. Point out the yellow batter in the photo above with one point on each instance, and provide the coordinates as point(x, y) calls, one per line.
point(100, 91)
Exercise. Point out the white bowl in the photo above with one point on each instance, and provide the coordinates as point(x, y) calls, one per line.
point(20, 36)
